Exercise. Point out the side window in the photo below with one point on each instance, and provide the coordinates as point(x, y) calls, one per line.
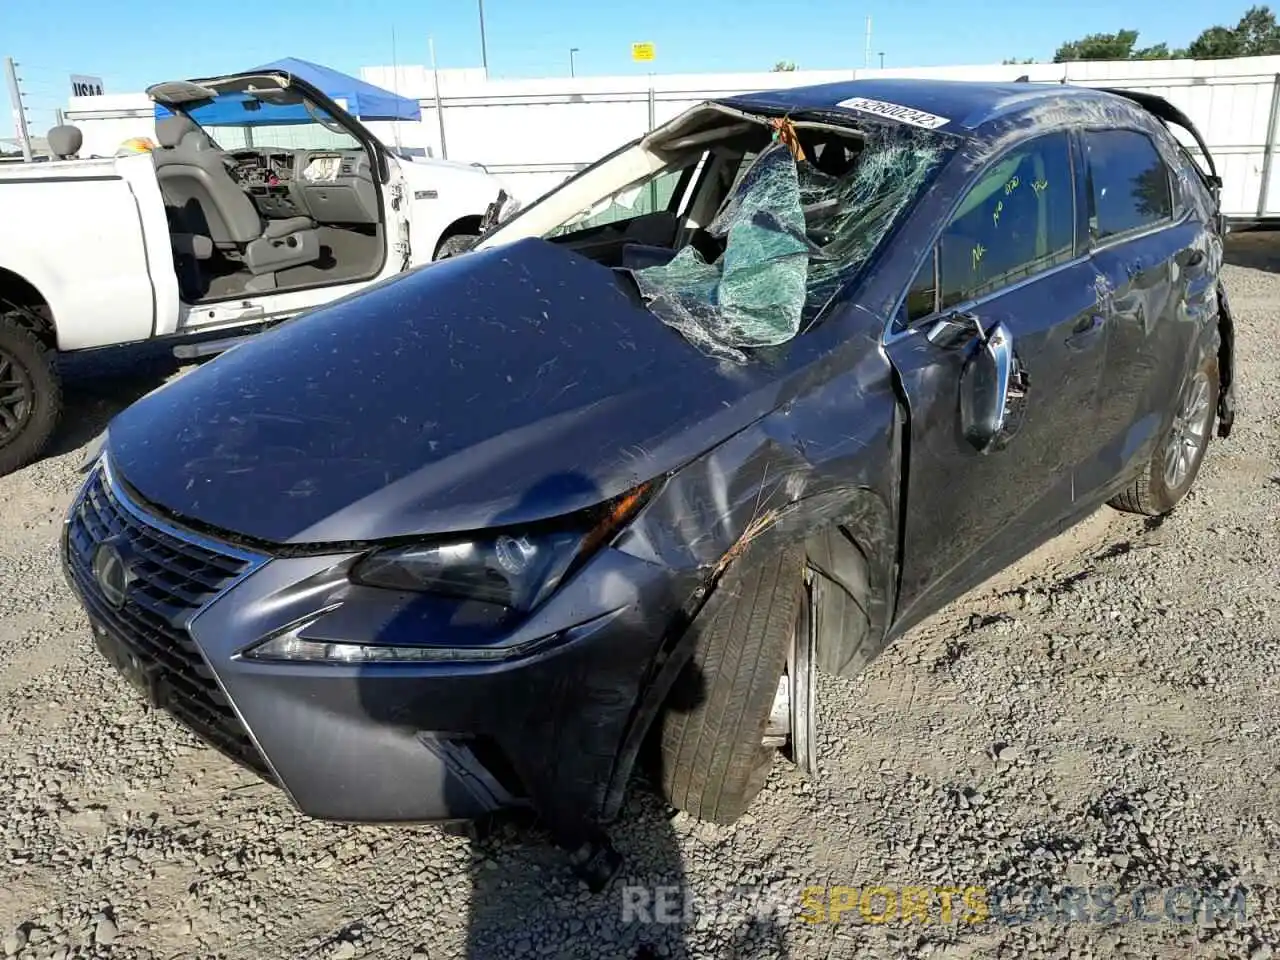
point(1017, 220)
point(922, 295)
point(1129, 184)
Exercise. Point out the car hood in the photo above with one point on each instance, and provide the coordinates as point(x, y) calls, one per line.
point(503, 386)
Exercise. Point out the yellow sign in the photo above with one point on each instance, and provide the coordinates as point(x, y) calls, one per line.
point(642, 52)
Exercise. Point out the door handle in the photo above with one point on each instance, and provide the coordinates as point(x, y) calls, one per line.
point(1086, 330)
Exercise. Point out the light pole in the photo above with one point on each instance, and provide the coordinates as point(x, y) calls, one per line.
point(572, 51)
point(484, 50)
point(881, 59)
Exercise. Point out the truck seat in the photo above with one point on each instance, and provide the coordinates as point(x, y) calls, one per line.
point(204, 200)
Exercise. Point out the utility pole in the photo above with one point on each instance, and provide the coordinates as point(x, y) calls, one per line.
point(572, 51)
point(444, 151)
point(19, 109)
point(484, 49)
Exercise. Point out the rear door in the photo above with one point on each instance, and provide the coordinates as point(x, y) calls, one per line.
point(1150, 253)
point(1010, 255)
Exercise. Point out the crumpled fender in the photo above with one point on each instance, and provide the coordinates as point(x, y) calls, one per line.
point(826, 463)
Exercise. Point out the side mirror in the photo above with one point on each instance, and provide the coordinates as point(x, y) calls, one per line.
point(955, 330)
point(985, 385)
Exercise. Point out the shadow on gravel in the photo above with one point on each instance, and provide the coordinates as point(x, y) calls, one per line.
point(99, 384)
point(1254, 249)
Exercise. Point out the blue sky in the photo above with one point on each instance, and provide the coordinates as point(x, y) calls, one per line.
point(131, 43)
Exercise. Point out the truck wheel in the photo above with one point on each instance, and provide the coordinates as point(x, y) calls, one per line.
point(30, 396)
point(1173, 468)
point(715, 755)
point(456, 244)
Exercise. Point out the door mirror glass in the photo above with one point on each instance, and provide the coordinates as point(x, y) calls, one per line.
point(984, 390)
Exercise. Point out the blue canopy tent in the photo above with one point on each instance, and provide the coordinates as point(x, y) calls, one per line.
point(362, 100)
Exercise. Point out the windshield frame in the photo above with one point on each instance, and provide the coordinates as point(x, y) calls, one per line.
point(672, 146)
point(188, 95)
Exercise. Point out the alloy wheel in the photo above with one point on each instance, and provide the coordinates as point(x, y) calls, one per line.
point(1189, 431)
point(791, 726)
point(16, 398)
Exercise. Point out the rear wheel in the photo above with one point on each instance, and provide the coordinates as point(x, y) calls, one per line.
point(1174, 465)
point(30, 395)
point(717, 736)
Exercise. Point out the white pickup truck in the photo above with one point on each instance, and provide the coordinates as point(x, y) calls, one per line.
point(264, 198)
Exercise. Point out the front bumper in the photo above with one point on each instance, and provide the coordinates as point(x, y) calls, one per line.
point(375, 742)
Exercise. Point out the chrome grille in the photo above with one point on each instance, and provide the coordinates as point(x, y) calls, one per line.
point(173, 579)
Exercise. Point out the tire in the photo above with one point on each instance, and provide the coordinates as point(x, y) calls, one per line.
point(456, 244)
point(27, 373)
point(712, 760)
point(1158, 489)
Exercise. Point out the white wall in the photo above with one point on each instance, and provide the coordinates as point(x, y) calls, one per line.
point(534, 133)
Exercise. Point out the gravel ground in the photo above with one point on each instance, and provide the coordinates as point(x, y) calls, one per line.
point(1103, 714)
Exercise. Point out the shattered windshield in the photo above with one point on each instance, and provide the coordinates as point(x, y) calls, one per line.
point(789, 235)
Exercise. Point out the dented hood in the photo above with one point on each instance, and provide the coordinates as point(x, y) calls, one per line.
point(500, 387)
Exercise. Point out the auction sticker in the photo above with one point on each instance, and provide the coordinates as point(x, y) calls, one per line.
point(895, 111)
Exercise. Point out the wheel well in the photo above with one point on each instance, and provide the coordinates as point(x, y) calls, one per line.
point(463, 225)
point(27, 305)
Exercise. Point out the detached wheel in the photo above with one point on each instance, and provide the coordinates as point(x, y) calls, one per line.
point(734, 705)
point(30, 396)
point(456, 244)
point(1173, 467)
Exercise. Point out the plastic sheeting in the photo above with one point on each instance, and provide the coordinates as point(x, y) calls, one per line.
point(780, 268)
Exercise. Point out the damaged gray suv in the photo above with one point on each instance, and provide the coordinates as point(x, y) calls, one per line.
point(747, 398)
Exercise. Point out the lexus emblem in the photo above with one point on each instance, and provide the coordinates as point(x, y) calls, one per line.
point(112, 573)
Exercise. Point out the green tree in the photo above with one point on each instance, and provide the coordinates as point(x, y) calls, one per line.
point(1256, 35)
point(783, 66)
point(1099, 46)
point(1113, 46)
point(1017, 60)
point(1214, 43)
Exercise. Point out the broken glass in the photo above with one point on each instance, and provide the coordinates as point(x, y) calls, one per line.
point(792, 235)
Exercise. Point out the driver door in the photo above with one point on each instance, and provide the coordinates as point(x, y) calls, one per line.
point(1008, 255)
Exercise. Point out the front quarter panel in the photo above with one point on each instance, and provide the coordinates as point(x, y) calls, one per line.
point(827, 459)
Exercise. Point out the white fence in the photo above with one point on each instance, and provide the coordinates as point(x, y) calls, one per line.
point(533, 133)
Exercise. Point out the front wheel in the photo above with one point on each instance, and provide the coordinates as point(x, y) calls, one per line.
point(728, 713)
point(30, 396)
point(1174, 465)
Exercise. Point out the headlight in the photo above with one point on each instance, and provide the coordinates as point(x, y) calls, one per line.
point(509, 208)
point(515, 569)
point(512, 569)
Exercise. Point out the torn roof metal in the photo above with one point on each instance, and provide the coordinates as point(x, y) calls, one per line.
point(964, 104)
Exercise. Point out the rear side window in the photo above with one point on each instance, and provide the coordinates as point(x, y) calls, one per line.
point(1017, 220)
point(1129, 186)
